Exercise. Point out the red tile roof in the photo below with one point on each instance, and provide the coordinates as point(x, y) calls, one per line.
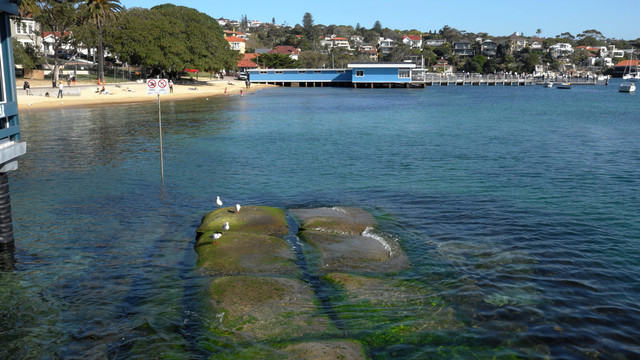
point(287, 50)
point(57, 34)
point(629, 63)
point(413, 37)
point(234, 39)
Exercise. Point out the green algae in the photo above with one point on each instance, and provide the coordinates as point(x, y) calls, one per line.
point(244, 253)
point(251, 219)
point(266, 307)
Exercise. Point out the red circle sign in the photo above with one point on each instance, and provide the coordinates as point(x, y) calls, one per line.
point(162, 83)
point(151, 83)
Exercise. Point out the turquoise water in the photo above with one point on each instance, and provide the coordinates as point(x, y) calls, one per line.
point(517, 206)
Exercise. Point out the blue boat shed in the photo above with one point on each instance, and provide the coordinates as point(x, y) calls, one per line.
point(356, 75)
point(381, 74)
point(301, 77)
point(10, 145)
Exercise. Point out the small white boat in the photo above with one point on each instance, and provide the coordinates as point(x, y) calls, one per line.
point(548, 84)
point(627, 87)
point(564, 85)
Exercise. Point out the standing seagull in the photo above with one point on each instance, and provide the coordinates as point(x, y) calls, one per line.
point(218, 201)
point(226, 226)
point(237, 208)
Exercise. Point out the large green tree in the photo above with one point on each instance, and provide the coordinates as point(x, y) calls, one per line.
point(276, 61)
point(168, 38)
point(97, 12)
point(57, 16)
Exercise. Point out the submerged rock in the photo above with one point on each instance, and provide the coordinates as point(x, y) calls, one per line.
point(345, 241)
point(251, 219)
point(325, 350)
point(355, 252)
point(389, 310)
point(341, 220)
point(266, 307)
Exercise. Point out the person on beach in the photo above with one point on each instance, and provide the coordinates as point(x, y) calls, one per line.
point(27, 87)
point(73, 80)
point(247, 83)
point(171, 86)
point(241, 93)
point(60, 87)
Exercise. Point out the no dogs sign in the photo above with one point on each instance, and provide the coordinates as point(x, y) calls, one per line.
point(157, 87)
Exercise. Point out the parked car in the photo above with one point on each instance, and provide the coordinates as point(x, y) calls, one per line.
point(242, 76)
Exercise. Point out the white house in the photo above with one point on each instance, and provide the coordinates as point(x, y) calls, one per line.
point(414, 41)
point(386, 45)
point(24, 30)
point(335, 41)
point(434, 42)
point(561, 49)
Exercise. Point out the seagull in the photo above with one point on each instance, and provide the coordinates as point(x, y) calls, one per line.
point(237, 207)
point(216, 235)
point(225, 226)
point(218, 201)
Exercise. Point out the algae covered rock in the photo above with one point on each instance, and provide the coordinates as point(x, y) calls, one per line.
point(345, 241)
point(389, 310)
point(362, 253)
point(266, 307)
point(251, 219)
point(342, 220)
point(325, 350)
point(243, 254)
point(249, 246)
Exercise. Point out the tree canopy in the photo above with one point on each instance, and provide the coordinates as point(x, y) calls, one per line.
point(168, 38)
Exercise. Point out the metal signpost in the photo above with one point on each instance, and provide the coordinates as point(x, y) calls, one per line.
point(159, 87)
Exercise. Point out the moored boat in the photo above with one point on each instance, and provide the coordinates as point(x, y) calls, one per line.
point(566, 85)
point(627, 87)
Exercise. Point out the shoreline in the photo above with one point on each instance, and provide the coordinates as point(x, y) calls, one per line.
point(128, 93)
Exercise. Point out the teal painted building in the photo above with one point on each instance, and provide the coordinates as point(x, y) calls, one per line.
point(10, 145)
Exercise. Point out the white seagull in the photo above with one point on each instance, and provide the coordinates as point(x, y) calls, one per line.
point(218, 201)
point(225, 226)
point(216, 236)
point(237, 207)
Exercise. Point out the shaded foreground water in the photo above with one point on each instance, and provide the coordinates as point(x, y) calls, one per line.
point(517, 208)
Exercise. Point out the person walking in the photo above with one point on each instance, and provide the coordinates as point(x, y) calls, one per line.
point(60, 87)
point(171, 86)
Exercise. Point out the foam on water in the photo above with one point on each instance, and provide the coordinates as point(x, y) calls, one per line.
point(368, 232)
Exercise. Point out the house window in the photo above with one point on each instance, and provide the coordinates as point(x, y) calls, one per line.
point(278, 71)
point(317, 72)
point(302, 72)
point(359, 73)
point(340, 71)
point(403, 73)
point(264, 72)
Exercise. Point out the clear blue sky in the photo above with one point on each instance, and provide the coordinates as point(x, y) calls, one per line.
point(615, 19)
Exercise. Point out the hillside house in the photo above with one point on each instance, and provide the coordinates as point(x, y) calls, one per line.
point(236, 43)
point(414, 41)
point(489, 48)
point(462, 48)
point(286, 50)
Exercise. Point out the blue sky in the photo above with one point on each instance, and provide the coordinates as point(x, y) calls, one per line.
point(616, 19)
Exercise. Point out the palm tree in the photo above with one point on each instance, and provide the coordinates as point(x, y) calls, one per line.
point(97, 12)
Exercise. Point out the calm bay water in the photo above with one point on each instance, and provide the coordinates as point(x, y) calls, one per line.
point(517, 206)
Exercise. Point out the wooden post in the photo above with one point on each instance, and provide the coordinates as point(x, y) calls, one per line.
point(160, 129)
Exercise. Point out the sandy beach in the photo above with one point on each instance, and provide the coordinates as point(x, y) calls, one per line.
point(123, 93)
